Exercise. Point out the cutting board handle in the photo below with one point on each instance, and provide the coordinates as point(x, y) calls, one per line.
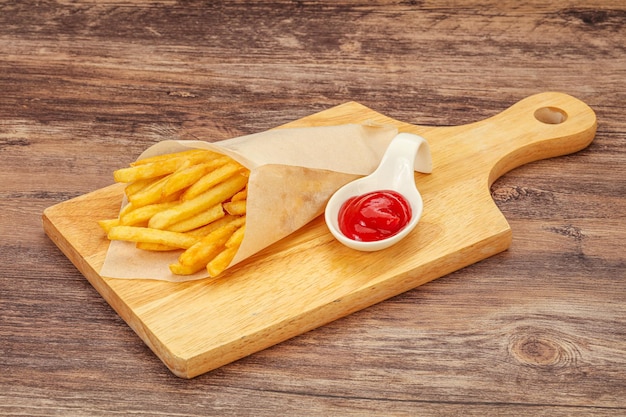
point(540, 126)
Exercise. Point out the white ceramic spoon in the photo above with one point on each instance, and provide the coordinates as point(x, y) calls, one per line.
point(405, 154)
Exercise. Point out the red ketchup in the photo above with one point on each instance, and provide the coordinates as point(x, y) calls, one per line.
point(374, 216)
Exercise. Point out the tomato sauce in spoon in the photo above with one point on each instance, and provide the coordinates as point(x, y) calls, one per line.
point(374, 216)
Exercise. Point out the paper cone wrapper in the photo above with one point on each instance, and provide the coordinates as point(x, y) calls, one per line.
point(293, 173)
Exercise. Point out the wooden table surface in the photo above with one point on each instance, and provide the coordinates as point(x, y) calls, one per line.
point(537, 330)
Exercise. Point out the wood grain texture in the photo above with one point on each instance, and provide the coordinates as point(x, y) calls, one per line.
point(539, 329)
point(308, 279)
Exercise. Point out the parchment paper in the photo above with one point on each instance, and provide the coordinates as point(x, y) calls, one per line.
point(293, 173)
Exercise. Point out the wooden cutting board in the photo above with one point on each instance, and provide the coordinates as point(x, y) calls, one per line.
point(308, 279)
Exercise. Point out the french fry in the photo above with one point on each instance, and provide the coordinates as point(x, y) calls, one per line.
point(211, 179)
point(218, 264)
point(236, 208)
point(201, 219)
point(241, 195)
point(197, 256)
point(204, 153)
point(158, 167)
point(184, 178)
point(204, 246)
point(143, 214)
point(155, 247)
point(107, 224)
point(179, 269)
point(234, 241)
point(126, 209)
point(199, 262)
point(136, 186)
point(153, 194)
point(221, 192)
point(149, 194)
point(146, 171)
point(205, 230)
point(148, 235)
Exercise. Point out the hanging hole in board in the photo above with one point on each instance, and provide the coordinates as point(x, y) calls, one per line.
point(550, 115)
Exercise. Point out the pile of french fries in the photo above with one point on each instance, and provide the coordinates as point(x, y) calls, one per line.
point(193, 200)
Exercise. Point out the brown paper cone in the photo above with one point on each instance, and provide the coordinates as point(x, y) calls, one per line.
point(293, 173)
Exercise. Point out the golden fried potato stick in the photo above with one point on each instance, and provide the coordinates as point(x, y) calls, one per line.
point(180, 269)
point(107, 224)
point(126, 209)
point(141, 215)
point(221, 261)
point(221, 192)
point(148, 235)
point(160, 167)
point(198, 263)
point(236, 208)
point(184, 178)
point(205, 230)
point(136, 186)
point(201, 219)
point(155, 247)
point(153, 193)
point(204, 153)
point(149, 194)
point(197, 256)
point(241, 195)
point(211, 179)
point(234, 241)
point(146, 171)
